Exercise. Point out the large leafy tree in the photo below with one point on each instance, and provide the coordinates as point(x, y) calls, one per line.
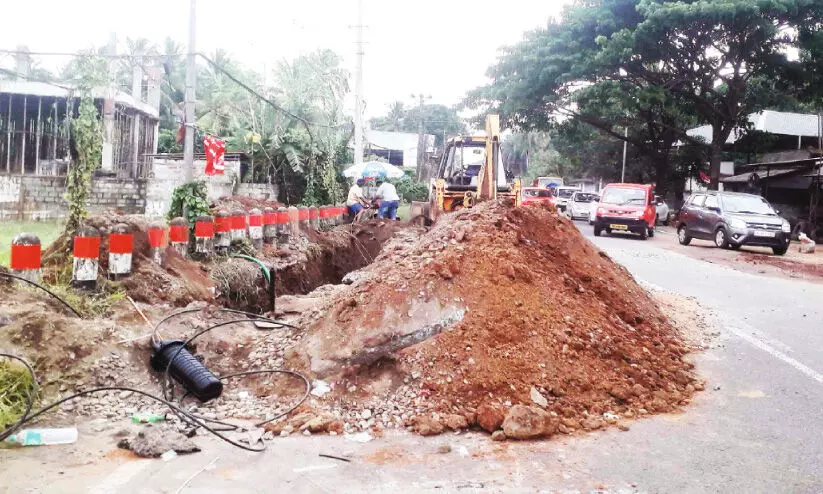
point(658, 67)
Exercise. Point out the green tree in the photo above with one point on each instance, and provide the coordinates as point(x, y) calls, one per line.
point(658, 67)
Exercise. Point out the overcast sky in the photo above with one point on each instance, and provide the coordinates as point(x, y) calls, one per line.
point(439, 48)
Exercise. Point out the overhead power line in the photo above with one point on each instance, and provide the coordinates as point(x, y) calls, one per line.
point(66, 54)
point(263, 98)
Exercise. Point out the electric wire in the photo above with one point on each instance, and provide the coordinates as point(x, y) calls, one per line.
point(186, 416)
point(38, 285)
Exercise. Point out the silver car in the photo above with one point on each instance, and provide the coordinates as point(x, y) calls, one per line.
point(580, 205)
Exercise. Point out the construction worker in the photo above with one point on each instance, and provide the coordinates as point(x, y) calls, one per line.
point(389, 200)
point(355, 200)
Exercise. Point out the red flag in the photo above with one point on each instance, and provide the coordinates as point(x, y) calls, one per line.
point(181, 134)
point(215, 150)
point(705, 178)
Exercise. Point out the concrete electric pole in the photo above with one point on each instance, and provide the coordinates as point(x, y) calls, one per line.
point(421, 139)
point(358, 89)
point(191, 84)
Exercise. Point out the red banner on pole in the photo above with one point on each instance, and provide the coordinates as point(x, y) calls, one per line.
point(215, 152)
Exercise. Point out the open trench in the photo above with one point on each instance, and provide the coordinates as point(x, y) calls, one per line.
point(325, 260)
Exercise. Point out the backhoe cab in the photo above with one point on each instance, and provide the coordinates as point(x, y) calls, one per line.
point(471, 170)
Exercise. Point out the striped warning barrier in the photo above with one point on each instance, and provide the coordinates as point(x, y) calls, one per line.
point(179, 235)
point(256, 228)
point(121, 250)
point(86, 254)
point(26, 253)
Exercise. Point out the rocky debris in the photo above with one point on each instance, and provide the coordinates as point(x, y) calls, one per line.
point(498, 435)
point(490, 416)
point(444, 448)
point(527, 422)
point(455, 422)
point(153, 442)
point(538, 398)
point(426, 426)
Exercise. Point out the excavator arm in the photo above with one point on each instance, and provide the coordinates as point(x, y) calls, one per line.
point(487, 178)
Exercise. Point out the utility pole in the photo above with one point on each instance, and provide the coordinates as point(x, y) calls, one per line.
point(625, 146)
point(358, 89)
point(191, 84)
point(421, 144)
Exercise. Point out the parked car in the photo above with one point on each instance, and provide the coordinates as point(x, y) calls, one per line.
point(626, 208)
point(561, 197)
point(732, 220)
point(536, 195)
point(580, 204)
point(662, 211)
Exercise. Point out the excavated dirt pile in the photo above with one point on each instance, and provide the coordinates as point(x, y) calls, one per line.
point(499, 317)
point(178, 282)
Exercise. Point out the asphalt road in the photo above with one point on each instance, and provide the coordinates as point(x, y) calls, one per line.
point(756, 428)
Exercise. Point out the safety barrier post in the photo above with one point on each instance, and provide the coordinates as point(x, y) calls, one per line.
point(269, 226)
point(222, 232)
point(256, 228)
point(26, 253)
point(238, 224)
point(157, 241)
point(179, 235)
point(305, 219)
point(86, 252)
point(121, 249)
point(204, 236)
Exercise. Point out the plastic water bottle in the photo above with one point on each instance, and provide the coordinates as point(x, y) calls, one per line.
point(40, 437)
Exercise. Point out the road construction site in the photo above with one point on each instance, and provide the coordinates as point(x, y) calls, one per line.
point(502, 332)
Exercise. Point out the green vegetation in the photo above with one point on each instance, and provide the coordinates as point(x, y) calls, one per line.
point(17, 387)
point(47, 232)
point(189, 200)
point(87, 134)
point(658, 68)
point(410, 189)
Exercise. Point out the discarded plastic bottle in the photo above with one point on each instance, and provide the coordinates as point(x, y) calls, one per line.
point(146, 418)
point(42, 437)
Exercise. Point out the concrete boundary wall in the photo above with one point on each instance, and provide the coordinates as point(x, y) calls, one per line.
point(43, 197)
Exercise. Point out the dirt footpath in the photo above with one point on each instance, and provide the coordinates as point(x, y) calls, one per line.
point(755, 260)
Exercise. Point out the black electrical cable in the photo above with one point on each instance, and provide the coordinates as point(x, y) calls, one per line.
point(166, 373)
point(38, 285)
point(253, 372)
point(279, 324)
point(29, 400)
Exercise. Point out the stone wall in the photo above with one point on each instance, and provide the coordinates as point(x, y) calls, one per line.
point(42, 197)
point(168, 173)
point(264, 192)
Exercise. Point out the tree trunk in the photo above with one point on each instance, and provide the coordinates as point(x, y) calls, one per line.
point(661, 174)
point(714, 164)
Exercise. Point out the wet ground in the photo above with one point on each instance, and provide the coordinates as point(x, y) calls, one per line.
point(755, 428)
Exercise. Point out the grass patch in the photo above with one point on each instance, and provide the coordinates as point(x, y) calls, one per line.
point(91, 305)
point(16, 385)
point(47, 231)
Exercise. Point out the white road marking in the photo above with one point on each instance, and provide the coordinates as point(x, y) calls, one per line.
point(744, 331)
point(114, 482)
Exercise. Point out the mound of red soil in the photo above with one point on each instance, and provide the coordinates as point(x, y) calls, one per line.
point(495, 304)
point(243, 203)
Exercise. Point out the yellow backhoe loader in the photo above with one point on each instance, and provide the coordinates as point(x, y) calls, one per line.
point(471, 170)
